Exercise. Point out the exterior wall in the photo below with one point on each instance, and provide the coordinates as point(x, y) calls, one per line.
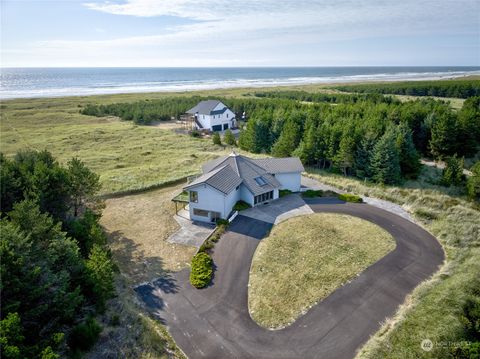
point(204, 120)
point(291, 181)
point(210, 199)
point(246, 195)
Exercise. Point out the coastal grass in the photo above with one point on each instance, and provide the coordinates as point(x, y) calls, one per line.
point(434, 310)
point(306, 258)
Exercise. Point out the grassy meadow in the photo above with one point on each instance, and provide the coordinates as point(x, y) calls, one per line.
point(287, 277)
point(131, 158)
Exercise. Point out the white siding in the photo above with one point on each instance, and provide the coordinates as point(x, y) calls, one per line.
point(209, 199)
point(246, 195)
point(291, 181)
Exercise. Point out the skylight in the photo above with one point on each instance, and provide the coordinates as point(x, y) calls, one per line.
point(261, 181)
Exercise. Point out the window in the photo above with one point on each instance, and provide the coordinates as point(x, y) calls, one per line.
point(194, 196)
point(263, 197)
point(200, 212)
point(260, 181)
point(227, 115)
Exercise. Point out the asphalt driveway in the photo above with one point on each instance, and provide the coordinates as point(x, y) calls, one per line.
point(215, 323)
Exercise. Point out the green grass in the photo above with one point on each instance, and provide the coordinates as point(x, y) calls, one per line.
point(127, 157)
point(306, 258)
point(434, 309)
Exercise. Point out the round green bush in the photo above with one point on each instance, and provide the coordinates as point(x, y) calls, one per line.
point(202, 270)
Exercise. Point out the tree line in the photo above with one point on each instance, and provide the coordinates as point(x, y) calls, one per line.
point(56, 269)
point(378, 141)
point(442, 88)
point(326, 97)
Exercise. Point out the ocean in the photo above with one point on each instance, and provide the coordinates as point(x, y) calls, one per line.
point(54, 82)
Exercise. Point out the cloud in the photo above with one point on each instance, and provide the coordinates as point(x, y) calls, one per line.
point(267, 32)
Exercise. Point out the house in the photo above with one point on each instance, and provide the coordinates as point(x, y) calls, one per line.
point(229, 179)
point(212, 115)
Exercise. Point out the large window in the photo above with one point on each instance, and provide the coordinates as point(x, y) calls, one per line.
point(263, 197)
point(200, 212)
point(194, 196)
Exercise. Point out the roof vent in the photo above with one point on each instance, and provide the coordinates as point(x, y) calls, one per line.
point(233, 154)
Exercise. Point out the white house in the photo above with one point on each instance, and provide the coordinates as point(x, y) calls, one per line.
point(212, 115)
point(235, 177)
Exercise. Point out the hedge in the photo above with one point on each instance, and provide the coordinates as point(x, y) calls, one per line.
point(350, 198)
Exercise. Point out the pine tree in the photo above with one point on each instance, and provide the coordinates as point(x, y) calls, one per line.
point(443, 136)
point(288, 140)
point(385, 163)
point(229, 138)
point(409, 158)
point(453, 172)
point(100, 274)
point(344, 158)
point(363, 158)
point(473, 182)
point(216, 139)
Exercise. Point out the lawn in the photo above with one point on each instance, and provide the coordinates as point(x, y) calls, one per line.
point(138, 227)
point(306, 258)
point(434, 310)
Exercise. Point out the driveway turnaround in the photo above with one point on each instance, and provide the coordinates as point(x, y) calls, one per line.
point(215, 323)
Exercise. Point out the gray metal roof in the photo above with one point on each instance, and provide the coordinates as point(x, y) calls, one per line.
point(206, 108)
point(247, 170)
point(280, 165)
point(223, 179)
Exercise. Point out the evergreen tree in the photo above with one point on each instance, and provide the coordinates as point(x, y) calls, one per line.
point(344, 159)
point(443, 136)
point(473, 182)
point(363, 158)
point(100, 274)
point(83, 184)
point(453, 172)
point(229, 138)
point(288, 140)
point(469, 126)
point(385, 162)
point(216, 139)
point(409, 158)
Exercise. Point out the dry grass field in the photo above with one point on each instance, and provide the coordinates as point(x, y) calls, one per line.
point(138, 227)
point(306, 258)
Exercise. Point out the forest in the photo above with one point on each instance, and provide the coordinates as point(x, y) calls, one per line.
point(438, 88)
point(56, 269)
point(372, 137)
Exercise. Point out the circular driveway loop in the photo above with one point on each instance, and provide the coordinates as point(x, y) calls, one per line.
point(215, 323)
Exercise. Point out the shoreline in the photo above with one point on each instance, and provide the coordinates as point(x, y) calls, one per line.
point(319, 83)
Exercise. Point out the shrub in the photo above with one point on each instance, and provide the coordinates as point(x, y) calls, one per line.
point(202, 270)
point(216, 139)
point(284, 192)
point(85, 335)
point(241, 205)
point(347, 197)
point(310, 193)
point(222, 222)
point(229, 138)
point(195, 133)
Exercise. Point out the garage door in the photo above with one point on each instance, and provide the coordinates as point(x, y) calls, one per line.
point(217, 128)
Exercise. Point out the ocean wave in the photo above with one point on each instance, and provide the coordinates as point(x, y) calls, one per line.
point(24, 89)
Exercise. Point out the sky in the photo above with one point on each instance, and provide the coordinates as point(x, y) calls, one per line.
point(215, 33)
